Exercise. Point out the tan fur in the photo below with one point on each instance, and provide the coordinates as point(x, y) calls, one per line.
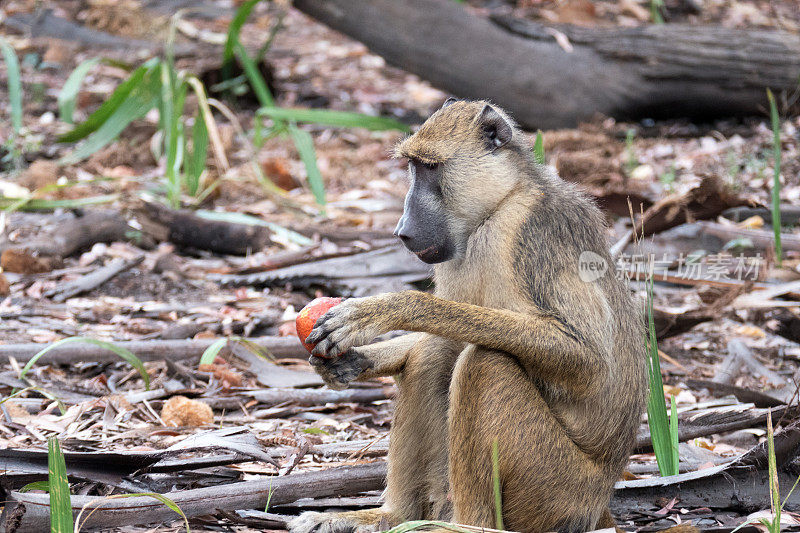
point(513, 346)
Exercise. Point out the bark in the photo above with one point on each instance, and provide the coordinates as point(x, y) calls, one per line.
point(650, 71)
point(78, 234)
point(342, 481)
point(153, 350)
point(188, 230)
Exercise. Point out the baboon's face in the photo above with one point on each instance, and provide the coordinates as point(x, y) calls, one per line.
point(424, 227)
point(457, 178)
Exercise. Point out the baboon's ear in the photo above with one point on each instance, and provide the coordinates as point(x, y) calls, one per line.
point(497, 129)
point(449, 101)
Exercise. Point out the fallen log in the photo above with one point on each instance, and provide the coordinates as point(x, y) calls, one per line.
point(80, 233)
point(344, 481)
point(711, 423)
point(320, 396)
point(655, 71)
point(188, 230)
point(152, 350)
point(760, 239)
point(742, 485)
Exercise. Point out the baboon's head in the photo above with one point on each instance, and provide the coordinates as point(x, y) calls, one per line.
point(461, 166)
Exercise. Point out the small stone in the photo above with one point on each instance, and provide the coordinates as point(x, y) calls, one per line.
point(181, 411)
point(643, 173)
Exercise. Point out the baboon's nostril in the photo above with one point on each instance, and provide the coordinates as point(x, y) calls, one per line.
point(400, 231)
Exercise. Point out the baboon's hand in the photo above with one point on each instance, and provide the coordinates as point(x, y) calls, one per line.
point(353, 322)
point(338, 372)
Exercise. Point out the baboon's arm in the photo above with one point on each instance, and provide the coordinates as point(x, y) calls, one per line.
point(548, 346)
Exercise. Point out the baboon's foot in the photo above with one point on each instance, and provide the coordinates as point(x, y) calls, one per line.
point(366, 521)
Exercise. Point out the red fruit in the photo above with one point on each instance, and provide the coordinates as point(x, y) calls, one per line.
point(309, 315)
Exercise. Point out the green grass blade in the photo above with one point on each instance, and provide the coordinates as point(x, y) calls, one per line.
point(137, 103)
point(538, 148)
point(210, 124)
point(14, 84)
point(656, 405)
point(212, 351)
point(333, 118)
point(165, 500)
point(36, 485)
point(69, 92)
point(776, 178)
point(673, 435)
point(173, 96)
point(774, 492)
point(655, 11)
point(305, 148)
point(498, 497)
point(234, 30)
point(41, 204)
point(110, 106)
point(60, 503)
point(196, 158)
point(47, 394)
point(257, 81)
point(123, 353)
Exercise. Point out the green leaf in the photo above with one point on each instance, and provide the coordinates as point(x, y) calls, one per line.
point(14, 84)
point(656, 405)
point(69, 92)
point(332, 118)
point(196, 157)
point(257, 81)
point(315, 431)
point(655, 11)
point(36, 485)
point(60, 503)
point(776, 177)
point(139, 100)
point(47, 394)
point(498, 498)
point(124, 353)
point(305, 148)
point(40, 204)
point(774, 493)
point(242, 218)
point(169, 503)
point(173, 96)
point(212, 351)
point(110, 106)
point(673, 434)
point(538, 148)
point(234, 29)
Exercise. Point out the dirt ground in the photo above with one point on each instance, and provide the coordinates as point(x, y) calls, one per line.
point(175, 293)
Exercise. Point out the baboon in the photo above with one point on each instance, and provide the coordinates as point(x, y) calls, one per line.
point(518, 344)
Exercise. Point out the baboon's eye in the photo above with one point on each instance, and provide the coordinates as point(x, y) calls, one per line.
point(431, 166)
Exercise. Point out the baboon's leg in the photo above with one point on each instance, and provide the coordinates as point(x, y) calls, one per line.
point(385, 358)
point(607, 521)
point(388, 358)
point(547, 482)
point(417, 480)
